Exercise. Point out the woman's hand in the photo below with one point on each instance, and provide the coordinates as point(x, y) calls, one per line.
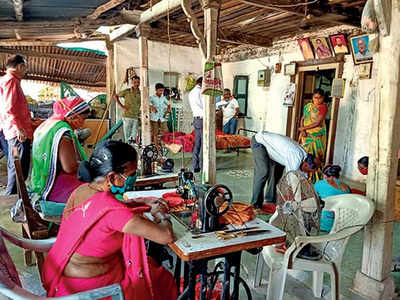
point(158, 207)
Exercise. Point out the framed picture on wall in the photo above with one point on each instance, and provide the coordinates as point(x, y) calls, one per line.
point(364, 71)
point(339, 44)
point(306, 49)
point(321, 47)
point(290, 69)
point(360, 49)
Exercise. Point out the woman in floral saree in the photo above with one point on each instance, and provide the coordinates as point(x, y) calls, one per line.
point(101, 238)
point(313, 131)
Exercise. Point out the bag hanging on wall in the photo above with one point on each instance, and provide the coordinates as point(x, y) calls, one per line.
point(288, 94)
point(212, 81)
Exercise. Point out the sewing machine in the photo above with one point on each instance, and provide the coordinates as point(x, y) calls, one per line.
point(210, 202)
point(148, 158)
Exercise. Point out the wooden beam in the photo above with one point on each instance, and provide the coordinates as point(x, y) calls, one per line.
point(374, 280)
point(122, 32)
point(143, 32)
point(110, 83)
point(209, 147)
point(194, 26)
point(103, 8)
point(326, 18)
point(64, 57)
point(159, 10)
point(18, 8)
point(45, 42)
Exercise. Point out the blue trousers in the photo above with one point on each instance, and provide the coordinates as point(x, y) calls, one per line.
point(230, 127)
point(24, 151)
point(197, 158)
point(3, 144)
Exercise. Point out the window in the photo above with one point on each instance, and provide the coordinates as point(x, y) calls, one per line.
point(240, 92)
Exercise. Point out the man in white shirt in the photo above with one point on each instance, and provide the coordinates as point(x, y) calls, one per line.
point(197, 106)
point(230, 113)
point(272, 154)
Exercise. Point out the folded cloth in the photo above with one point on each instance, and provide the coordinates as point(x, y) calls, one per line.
point(238, 214)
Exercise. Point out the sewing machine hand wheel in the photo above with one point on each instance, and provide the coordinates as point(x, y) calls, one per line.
point(216, 197)
point(150, 153)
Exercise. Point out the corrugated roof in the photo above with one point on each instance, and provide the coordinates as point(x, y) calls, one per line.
point(54, 64)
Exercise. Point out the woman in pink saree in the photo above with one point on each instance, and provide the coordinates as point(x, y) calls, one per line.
point(101, 238)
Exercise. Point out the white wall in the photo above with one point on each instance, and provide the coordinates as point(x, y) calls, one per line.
point(180, 59)
point(267, 112)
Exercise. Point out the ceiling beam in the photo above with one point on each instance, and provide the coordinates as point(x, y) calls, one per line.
point(121, 32)
point(44, 42)
point(64, 57)
point(18, 8)
point(325, 17)
point(159, 10)
point(102, 8)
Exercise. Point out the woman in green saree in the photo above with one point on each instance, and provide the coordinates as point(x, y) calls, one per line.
point(56, 152)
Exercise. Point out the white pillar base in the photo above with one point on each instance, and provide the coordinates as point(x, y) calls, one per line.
point(372, 289)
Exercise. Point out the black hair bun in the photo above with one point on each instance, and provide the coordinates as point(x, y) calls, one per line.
point(84, 172)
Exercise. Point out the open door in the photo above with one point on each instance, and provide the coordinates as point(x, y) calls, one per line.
point(309, 78)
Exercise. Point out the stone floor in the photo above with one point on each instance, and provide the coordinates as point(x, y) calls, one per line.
point(235, 172)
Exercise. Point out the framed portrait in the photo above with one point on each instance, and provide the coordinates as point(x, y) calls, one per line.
point(306, 49)
point(339, 44)
point(364, 71)
point(360, 49)
point(321, 47)
point(290, 69)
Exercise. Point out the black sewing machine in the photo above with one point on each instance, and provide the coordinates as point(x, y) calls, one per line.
point(211, 202)
point(149, 157)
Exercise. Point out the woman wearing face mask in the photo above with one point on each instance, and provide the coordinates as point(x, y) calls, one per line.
point(362, 165)
point(56, 152)
point(108, 245)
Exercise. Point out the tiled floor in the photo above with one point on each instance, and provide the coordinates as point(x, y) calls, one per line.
point(236, 172)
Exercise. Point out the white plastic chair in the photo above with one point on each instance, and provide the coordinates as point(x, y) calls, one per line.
point(9, 285)
point(352, 213)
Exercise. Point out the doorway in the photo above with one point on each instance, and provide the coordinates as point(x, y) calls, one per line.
point(309, 78)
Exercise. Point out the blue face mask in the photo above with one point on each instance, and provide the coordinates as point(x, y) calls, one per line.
point(128, 186)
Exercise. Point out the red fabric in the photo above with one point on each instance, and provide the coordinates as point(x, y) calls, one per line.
point(269, 208)
point(14, 109)
point(64, 106)
point(173, 199)
point(355, 191)
point(323, 109)
point(223, 140)
point(138, 275)
point(216, 294)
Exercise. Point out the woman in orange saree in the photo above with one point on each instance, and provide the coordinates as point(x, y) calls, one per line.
point(101, 238)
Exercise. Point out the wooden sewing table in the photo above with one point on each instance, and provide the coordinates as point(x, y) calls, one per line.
point(197, 252)
point(156, 180)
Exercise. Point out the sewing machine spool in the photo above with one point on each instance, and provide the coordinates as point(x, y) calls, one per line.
point(149, 155)
point(215, 202)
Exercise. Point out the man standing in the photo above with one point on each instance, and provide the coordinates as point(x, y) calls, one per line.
point(230, 113)
point(131, 109)
point(197, 106)
point(159, 106)
point(272, 154)
point(16, 119)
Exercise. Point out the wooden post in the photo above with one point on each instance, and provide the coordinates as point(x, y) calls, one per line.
point(209, 149)
point(110, 83)
point(142, 34)
point(374, 280)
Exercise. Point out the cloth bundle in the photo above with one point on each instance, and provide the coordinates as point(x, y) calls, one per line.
point(232, 141)
point(173, 199)
point(238, 214)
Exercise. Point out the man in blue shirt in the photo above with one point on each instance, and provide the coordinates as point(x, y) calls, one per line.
point(159, 107)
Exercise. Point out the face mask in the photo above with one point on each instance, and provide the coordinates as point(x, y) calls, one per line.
point(364, 171)
point(128, 186)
